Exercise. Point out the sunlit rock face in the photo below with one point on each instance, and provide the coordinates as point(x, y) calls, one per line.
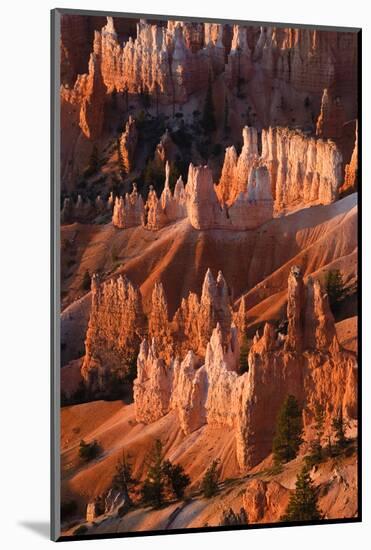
point(250, 209)
point(171, 62)
point(351, 169)
point(152, 387)
point(308, 363)
point(88, 95)
point(303, 170)
point(293, 170)
point(114, 332)
point(237, 169)
point(128, 143)
point(128, 211)
point(309, 60)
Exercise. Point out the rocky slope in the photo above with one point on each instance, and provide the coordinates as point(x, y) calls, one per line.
point(263, 493)
point(317, 238)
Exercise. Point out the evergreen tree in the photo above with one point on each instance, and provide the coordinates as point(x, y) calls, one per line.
point(303, 503)
point(335, 288)
point(208, 115)
point(209, 484)
point(123, 480)
point(339, 429)
point(289, 428)
point(316, 451)
point(176, 477)
point(154, 485)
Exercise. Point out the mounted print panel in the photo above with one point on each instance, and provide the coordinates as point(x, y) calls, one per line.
point(205, 187)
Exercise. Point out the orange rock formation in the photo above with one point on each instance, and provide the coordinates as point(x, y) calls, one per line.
point(307, 363)
point(116, 326)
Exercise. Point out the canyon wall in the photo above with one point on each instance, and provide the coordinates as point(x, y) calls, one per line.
point(168, 62)
point(173, 62)
point(310, 60)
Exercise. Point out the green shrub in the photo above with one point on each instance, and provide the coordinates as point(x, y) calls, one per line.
point(177, 479)
point(153, 488)
point(335, 288)
point(209, 484)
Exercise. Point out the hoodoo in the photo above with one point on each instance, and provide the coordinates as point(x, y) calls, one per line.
point(208, 206)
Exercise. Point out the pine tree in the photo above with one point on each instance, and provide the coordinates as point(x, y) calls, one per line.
point(316, 451)
point(176, 477)
point(289, 428)
point(339, 429)
point(335, 288)
point(209, 484)
point(123, 480)
point(303, 503)
point(154, 485)
point(208, 115)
